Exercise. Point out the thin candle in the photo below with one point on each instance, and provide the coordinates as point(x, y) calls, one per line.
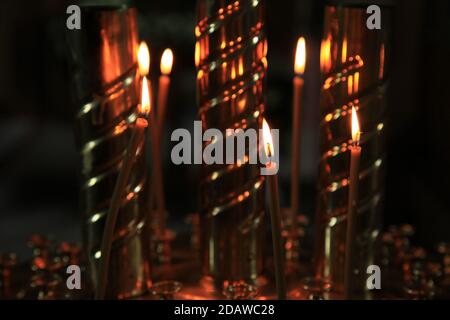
point(163, 88)
point(143, 59)
point(136, 140)
point(157, 188)
point(355, 155)
point(299, 69)
point(274, 210)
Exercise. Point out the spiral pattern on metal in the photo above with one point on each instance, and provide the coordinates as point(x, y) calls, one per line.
point(103, 55)
point(230, 56)
point(353, 61)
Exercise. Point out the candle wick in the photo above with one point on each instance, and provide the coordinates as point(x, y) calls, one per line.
point(269, 153)
point(357, 138)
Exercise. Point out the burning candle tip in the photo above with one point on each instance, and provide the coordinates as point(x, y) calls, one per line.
point(166, 62)
point(356, 133)
point(143, 59)
point(268, 142)
point(145, 106)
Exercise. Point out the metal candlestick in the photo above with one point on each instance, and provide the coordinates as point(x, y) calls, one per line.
point(354, 62)
point(103, 55)
point(231, 70)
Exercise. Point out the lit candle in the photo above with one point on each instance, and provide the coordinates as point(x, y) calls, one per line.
point(163, 88)
point(157, 188)
point(325, 55)
point(143, 59)
point(299, 69)
point(137, 138)
point(274, 210)
point(355, 154)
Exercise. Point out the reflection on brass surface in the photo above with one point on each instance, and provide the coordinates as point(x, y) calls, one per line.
point(354, 63)
point(103, 55)
point(231, 65)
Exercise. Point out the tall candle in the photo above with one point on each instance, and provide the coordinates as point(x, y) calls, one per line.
point(137, 137)
point(299, 68)
point(355, 155)
point(275, 216)
point(157, 188)
point(163, 88)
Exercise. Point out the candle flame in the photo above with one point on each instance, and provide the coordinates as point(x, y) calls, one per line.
point(356, 134)
point(325, 55)
point(166, 62)
point(197, 54)
point(356, 83)
point(350, 85)
point(381, 71)
point(267, 139)
point(300, 56)
point(143, 59)
point(344, 51)
point(145, 106)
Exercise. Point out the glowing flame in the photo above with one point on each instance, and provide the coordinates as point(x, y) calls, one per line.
point(355, 127)
point(197, 54)
point(381, 71)
point(143, 59)
point(145, 106)
point(350, 85)
point(300, 56)
point(344, 51)
point(166, 62)
point(325, 55)
point(267, 139)
point(356, 83)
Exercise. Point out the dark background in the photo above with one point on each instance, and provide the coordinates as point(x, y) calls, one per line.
point(39, 162)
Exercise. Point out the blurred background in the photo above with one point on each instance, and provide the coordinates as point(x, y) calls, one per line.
point(39, 164)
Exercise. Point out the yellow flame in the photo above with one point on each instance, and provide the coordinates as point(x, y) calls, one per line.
point(350, 85)
point(344, 51)
point(197, 54)
point(355, 127)
point(166, 62)
point(146, 106)
point(143, 59)
point(325, 54)
point(267, 139)
point(356, 83)
point(381, 71)
point(300, 56)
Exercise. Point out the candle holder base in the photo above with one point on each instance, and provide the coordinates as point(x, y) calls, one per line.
point(311, 288)
point(162, 247)
point(294, 238)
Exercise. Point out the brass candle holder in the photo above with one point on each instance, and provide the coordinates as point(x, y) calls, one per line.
point(104, 68)
point(354, 63)
point(231, 65)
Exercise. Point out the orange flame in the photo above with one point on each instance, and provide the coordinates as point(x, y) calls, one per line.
point(267, 139)
point(166, 62)
point(356, 134)
point(381, 71)
point(145, 106)
point(197, 54)
point(356, 83)
point(143, 59)
point(344, 51)
point(300, 57)
point(350, 85)
point(325, 55)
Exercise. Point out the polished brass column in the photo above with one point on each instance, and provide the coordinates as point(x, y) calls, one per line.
point(231, 65)
point(105, 83)
point(355, 70)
